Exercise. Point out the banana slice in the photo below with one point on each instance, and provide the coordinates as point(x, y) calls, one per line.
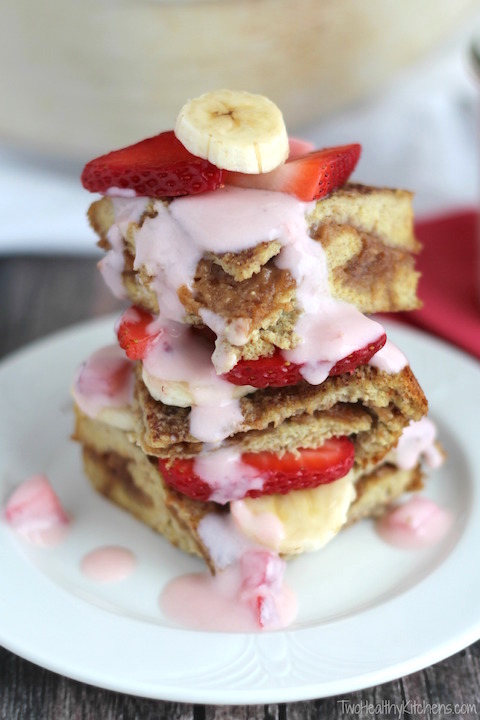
point(301, 521)
point(234, 130)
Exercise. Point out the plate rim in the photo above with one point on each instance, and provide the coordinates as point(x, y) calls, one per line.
point(256, 643)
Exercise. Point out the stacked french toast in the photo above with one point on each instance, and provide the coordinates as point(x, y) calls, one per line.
point(251, 400)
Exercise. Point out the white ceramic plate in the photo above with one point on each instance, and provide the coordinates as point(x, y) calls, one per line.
point(368, 612)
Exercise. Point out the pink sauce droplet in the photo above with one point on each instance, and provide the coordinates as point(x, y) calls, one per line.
point(108, 564)
point(415, 524)
point(247, 596)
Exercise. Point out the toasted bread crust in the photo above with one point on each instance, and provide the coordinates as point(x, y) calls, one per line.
point(125, 475)
point(367, 235)
point(374, 406)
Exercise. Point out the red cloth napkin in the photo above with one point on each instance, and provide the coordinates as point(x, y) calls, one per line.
point(450, 284)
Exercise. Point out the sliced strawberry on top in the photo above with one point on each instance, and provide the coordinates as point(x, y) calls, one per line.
point(277, 371)
point(305, 469)
point(308, 177)
point(136, 332)
point(159, 166)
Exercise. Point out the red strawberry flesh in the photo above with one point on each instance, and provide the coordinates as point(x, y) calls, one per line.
point(273, 371)
point(308, 177)
point(276, 371)
point(305, 469)
point(358, 357)
point(136, 333)
point(158, 167)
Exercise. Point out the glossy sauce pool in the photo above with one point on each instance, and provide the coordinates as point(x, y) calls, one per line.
point(415, 524)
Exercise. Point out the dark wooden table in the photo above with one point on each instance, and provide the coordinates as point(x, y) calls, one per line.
point(41, 295)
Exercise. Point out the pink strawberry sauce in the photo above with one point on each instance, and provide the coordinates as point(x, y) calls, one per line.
point(415, 524)
point(108, 564)
point(418, 442)
point(169, 246)
point(34, 511)
point(104, 380)
point(178, 370)
point(248, 596)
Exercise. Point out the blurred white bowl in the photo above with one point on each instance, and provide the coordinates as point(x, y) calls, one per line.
point(83, 77)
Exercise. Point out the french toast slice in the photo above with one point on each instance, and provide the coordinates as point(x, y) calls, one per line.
point(370, 404)
point(369, 244)
point(122, 472)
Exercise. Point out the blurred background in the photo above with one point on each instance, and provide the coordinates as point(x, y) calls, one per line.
point(83, 78)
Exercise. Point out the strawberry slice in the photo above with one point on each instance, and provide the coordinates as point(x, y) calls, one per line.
point(358, 357)
point(273, 371)
point(308, 177)
point(305, 469)
point(157, 167)
point(276, 371)
point(136, 333)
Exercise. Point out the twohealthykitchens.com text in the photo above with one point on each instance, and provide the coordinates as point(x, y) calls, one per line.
point(407, 708)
